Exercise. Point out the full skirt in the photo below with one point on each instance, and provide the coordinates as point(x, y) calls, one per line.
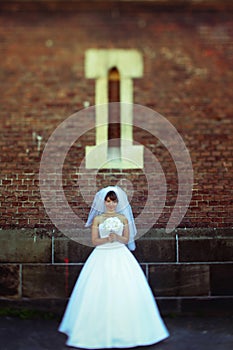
point(112, 305)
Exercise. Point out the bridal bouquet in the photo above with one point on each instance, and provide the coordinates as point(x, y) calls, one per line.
point(112, 224)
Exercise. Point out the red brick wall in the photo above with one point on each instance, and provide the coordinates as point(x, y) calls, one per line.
point(187, 56)
point(187, 78)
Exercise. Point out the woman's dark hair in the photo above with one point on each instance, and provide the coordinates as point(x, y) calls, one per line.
point(111, 195)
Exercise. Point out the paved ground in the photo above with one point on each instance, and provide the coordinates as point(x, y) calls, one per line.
point(187, 333)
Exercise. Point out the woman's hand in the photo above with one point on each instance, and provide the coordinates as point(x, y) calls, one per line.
point(112, 237)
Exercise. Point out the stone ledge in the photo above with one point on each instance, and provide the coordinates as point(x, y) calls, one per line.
point(221, 279)
point(155, 250)
point(48, 281)
point(56, 306)
point(10, 281)
point(205, 249)
point(190, 233)
point(190, 245)
point(195, 306)
point(65, 248)
point(179, 280)
point(25, 246)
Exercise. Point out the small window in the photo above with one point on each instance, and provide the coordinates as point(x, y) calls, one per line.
point(114, 132)
point(114, 71)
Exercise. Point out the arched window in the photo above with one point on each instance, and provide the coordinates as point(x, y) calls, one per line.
point(114, 113)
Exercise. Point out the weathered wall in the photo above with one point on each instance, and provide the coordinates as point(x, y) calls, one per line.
point(189, 272)
point(187, 78)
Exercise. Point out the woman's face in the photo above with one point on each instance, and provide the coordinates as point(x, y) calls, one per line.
point(110, 205)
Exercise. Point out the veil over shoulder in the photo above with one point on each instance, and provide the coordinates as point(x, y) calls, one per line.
point(112, 305)
point(123, 207)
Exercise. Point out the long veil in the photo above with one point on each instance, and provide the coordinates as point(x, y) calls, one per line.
point(123, 207)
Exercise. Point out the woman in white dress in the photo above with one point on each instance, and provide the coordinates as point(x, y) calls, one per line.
point(112, 305)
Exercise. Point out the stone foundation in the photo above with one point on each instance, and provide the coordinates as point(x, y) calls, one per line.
point(183, 269)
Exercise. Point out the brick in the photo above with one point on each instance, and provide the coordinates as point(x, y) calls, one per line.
point(44, 84)
point(208, 138)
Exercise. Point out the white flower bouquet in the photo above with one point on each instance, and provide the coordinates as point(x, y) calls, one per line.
point(112, 225)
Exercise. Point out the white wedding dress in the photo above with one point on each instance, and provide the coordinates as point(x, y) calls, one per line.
point(112, 305)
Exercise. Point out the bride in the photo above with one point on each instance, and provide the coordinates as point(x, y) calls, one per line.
point(112, 305)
